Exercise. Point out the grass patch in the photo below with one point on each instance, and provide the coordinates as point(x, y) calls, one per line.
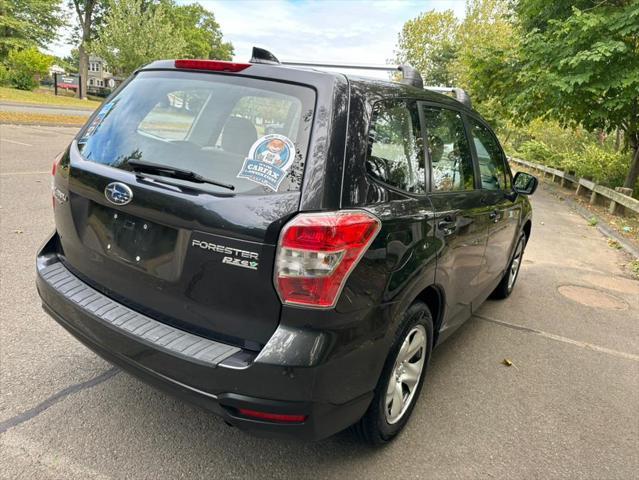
point(43, 97)
point(21, 118)
point(634, 267)
point(612, 243)
point(592, 221)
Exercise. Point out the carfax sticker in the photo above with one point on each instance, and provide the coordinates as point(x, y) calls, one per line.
point(268, 161)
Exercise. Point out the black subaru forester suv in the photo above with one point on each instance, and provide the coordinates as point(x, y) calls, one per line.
point(283, 246)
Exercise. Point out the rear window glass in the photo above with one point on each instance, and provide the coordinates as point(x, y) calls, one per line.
point(252, 134)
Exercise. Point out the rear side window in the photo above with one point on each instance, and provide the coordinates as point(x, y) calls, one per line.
point(449, 151)
point(492, 167)
point(395, 153)
point(250, 133)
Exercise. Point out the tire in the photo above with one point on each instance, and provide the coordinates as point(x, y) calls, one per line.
point(508, 281)
point(382, 422)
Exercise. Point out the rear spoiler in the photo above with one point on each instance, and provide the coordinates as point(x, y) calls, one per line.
point(410, 76)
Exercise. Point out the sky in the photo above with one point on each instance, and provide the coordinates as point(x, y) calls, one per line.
point(355, 31)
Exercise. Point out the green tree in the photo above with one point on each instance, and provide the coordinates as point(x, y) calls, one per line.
point(475, 54)
point(199, 29)
point(535, 14)
point(26, 65)
point(583, 68)
point(429, 43)
point(134, 34)
point(71, 63)
point(28, 23)
point(89, 14)
point(487, 56)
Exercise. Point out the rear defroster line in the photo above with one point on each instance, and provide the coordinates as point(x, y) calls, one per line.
point(55, 398)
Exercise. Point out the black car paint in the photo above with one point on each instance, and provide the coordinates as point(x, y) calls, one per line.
point(322, 362)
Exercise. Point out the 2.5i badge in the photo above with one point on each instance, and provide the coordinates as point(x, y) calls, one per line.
point(268, 161)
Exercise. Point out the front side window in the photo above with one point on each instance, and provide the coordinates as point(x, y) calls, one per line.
point(395, 153)
point(450, 157)
point(252, 134)
point(492, 167)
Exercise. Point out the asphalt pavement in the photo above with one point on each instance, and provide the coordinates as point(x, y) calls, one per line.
point(568, 407)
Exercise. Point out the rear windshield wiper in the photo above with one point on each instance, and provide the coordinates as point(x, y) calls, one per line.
point(173, 172)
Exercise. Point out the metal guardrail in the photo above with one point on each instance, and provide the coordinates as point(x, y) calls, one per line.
point(616, 198)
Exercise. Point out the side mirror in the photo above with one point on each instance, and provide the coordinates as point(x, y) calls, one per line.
point(525, 183)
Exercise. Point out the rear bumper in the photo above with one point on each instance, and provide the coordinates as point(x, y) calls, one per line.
point(218, 377)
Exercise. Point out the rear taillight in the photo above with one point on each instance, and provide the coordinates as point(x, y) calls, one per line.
point(54, 169)
point(215, 65)
point(317, 252)
point(56, 164)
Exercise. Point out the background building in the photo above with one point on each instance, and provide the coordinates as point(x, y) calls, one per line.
point(99, 75)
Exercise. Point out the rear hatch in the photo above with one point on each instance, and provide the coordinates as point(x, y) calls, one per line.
point(191, 243)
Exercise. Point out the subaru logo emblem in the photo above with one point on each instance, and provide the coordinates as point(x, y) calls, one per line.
point(118, 193)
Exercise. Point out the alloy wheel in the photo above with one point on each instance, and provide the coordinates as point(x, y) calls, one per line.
point(515, 265)
point(406, 374)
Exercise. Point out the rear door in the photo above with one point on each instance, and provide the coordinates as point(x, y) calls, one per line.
point(395, 162)
point(192, 254)
point(461, 222)
point(496, 187)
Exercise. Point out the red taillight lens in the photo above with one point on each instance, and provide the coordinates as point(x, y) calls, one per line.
point(273, 417)
point(56, 164)
point(317, 252)
point(54, 169)
point(216, 65)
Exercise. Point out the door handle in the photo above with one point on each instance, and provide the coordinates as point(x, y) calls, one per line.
point(421, 215)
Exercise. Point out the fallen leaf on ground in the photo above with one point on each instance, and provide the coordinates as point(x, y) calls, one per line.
point(18, 231)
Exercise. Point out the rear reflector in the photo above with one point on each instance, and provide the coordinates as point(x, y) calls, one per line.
point(317, 252)
point(273, 417)
point(216, 65)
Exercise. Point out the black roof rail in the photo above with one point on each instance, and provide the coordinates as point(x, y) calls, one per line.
point(354, 66)
point(410, 76)
point(460, 94)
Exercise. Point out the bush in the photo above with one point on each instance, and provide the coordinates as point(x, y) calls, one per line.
point(572, 149)
point(605, 167)
point(25, 65)
point(537, 151)
point(23, 80)
point(4, 76)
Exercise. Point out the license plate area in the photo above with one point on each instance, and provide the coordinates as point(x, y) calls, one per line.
point(131, 239)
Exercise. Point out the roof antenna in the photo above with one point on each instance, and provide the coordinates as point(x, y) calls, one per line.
point(261, 55)
point(410, 76)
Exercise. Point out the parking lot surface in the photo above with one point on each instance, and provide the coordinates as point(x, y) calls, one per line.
point(568, 407)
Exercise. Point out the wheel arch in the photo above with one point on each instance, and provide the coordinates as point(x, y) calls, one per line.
point(434, 298)
point(527, 228)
